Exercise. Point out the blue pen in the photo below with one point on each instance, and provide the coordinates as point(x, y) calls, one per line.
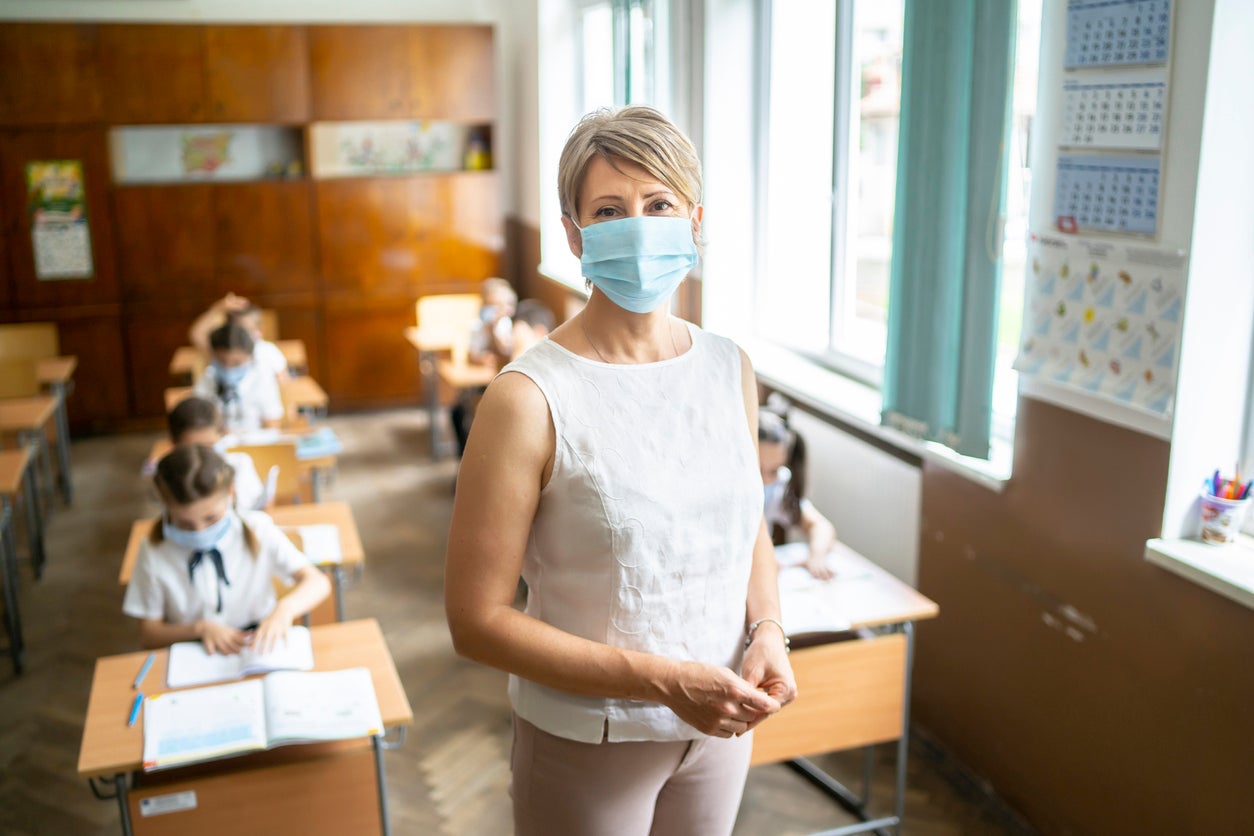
point(1214, 484)
point(139, 700)
point(143, 671)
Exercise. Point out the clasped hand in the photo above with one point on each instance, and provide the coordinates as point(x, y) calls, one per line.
point(717, 702)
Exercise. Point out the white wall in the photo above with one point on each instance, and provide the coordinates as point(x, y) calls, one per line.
point(517, 55)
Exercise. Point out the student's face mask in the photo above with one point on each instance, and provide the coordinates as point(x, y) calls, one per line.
point(774, 491)
point(231, 375)
point(638, 262)
point(205, 538)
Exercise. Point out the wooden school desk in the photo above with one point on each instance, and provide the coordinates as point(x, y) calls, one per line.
point(56, 375)
point(300, 395)
point(17, 474)
point(852, 693)
point(338, 514)
point(429, 344)
point(316, 468)
point(27, 419)
point(14, 473)
point(318, 788)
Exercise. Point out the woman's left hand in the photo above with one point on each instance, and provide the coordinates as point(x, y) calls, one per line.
point(766, 666)
point(271, 632)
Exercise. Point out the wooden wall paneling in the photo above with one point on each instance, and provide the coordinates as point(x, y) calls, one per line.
point(466, 231)
point(257, 73)
point(303, 322)
point(165, 242)
point(263, 238)
point(153, 73)
point(453, 74)
point(6, 282)
point(101, 397)
point(359, 72)
point(368, 363)
point(152, 334)
point(50, 74)
point(19, 147)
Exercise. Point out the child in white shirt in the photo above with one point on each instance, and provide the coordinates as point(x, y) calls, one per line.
point(199, 421)
point(237, 309)
point(782, 457)
point(247, 394)
point(206, 571)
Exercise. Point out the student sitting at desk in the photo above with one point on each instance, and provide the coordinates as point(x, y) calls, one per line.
point(205, 573)
point(490, 335)
point(237, 309)
point(199, 421)
point(782, 456)
point(247, 394)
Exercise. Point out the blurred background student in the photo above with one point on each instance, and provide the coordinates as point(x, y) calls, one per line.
point(198, 421)
point(490, 336)
point(782, 456)
point(237, 309)
point(247, 394)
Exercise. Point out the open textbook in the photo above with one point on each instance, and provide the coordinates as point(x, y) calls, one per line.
point(200, 724)
point(191, 665)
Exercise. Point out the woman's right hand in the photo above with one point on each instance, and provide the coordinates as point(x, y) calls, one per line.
point(715, 701)
point(219, 638)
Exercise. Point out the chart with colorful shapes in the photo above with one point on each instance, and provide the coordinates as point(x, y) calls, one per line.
point(1104, 318)
point(1106, 33)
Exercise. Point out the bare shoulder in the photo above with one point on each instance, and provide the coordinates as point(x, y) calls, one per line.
point(512, 422)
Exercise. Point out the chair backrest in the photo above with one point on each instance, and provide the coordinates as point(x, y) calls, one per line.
point(18, 378)
point(448, 315)
point(269, 324)
point(292, 484)
point(33, 340)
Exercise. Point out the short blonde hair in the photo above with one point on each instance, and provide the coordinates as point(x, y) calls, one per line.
point(637, 134)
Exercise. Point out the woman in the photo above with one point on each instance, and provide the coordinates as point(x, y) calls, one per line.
point(614, 467)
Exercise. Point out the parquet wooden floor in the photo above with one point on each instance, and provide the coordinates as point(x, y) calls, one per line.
point(452, 775)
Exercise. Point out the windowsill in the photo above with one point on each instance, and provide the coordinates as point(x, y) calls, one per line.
point(859, 405)
point(567, 279)
point(1227, 570)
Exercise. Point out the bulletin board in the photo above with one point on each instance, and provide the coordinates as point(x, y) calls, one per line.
point(1104, 318)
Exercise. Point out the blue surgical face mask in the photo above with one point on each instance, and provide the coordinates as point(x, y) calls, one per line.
point(774, 492)
point(638, 262)
point(205, 538)
point(231, 375)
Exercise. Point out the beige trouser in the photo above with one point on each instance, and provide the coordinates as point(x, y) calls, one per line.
point(672, 788)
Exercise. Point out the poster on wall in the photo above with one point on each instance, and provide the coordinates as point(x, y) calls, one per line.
point(58, 210)
point(1104, 318)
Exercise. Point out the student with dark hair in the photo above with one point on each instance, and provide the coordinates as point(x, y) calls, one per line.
point(247, 394)
point(206, 572)
point(199, 421)
point(237, 309)
point(782, 455)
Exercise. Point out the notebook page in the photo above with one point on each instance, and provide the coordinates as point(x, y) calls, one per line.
point(203, 724)
point(321, 705)
point(190, 664)
point(321, 543)
point(295, 653)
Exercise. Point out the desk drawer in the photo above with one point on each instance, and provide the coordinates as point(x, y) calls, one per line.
point(317, 788)
point(850, 694)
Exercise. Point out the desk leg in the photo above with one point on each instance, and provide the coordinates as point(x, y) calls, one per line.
point(34, 521)
point(316, 478)
point(63, 443)
point(337, 587)
point(383, 786)
point(903, 743)
point(124, 810)
point(8, 565)
point(426, 366)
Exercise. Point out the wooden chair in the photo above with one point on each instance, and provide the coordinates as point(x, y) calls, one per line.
point(269, 324)
point(18, 378)
point(294, 484)
point(30, 340)
point(324, 613)
point(445, 319)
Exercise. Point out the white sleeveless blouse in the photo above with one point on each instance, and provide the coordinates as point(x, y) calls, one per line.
point(644, 535)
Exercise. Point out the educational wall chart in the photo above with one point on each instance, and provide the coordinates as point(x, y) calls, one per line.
point(1106, 33)
point(1107, 194)
point(60, 236)
point(1123, 109)
point(1104, 318)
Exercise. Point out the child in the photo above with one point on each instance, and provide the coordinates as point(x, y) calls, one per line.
point(247, 394)
point(198, 421)
point(237, 309)
point(782, 456)
point(490, 337)
point(205, 573)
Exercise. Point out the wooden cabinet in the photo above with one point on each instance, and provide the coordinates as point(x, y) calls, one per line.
point(49, 74)
point(368, 362)
point(94, 336)
point(263, 238)
point(165, 241)
point(152, 74)
point(87, 145)
point(256, 73)
point(402, 72)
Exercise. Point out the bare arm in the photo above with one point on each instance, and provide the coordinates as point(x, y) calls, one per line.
point(311, 588)
point(217, 638)
point(508, 459)
point(821, 536)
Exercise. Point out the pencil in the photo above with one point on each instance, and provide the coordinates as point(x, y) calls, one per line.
point(143, 671)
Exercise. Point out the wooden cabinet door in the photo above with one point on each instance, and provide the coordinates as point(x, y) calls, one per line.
point(452, 75)
point(165, 242)
point(256, 73)
point(368, 363)
point(152, 334)
point(263, 238)
point(102, 396)
point(87, 145)
point(358, 72)
point(152, 74)
point(49, 74)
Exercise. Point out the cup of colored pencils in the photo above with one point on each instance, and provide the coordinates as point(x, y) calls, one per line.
point(1225, 503)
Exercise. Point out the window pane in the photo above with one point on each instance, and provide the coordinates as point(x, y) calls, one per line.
point(861, 314)
point(795, 286)
point(640, 54)
point(597, 46)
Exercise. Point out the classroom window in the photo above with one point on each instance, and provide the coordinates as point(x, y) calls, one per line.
point(829, 165)
point(621, 46)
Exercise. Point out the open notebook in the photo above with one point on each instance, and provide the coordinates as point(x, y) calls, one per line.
point(201, 724)
point(191, 665)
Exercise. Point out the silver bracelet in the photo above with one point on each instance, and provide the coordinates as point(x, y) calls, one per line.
point(753, 628)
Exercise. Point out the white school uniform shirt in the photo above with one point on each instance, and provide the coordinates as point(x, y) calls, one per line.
point(267, 355)
point(248, 487)
point(643, 537)
point(256, 398)
point(161, 588)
